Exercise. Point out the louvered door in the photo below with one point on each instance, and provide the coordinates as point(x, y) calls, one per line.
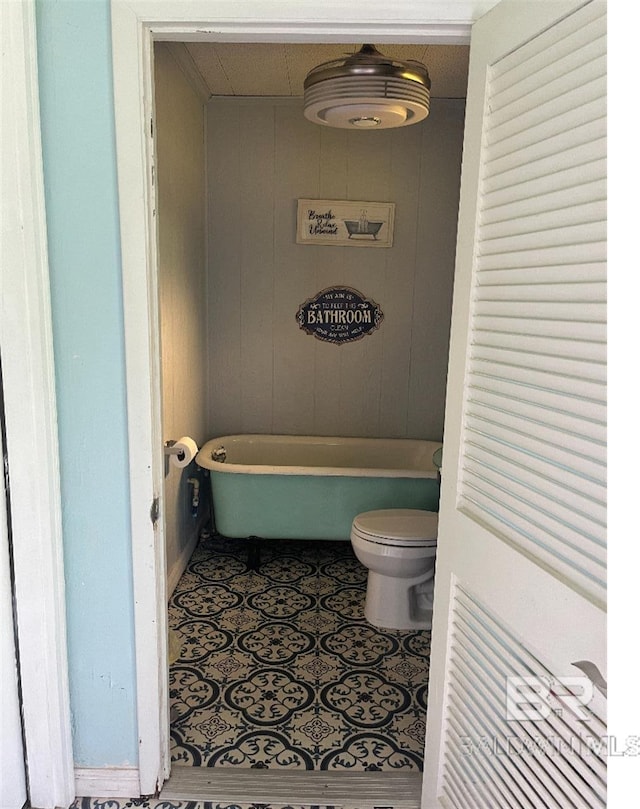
point(521, 565)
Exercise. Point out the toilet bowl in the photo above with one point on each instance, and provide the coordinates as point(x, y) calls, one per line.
point(398, 546)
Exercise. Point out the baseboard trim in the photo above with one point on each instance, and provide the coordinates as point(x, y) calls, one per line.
point(180, 565)
point(107, 782)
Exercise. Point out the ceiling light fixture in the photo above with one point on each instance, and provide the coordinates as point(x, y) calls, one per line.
point(367, 90)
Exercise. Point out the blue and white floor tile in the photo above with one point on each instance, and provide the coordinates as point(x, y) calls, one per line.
point(278, 667)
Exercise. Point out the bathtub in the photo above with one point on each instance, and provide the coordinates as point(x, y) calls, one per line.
point(307, 487)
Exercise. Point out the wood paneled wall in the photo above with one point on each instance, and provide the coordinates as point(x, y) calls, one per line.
point(181, 286)
point(266, 375)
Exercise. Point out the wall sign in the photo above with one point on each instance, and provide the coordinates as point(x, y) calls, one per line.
point(346, 223)
point(339, 315)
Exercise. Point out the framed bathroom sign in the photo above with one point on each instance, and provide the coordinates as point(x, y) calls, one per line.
point(339, 315)
point(345, 222)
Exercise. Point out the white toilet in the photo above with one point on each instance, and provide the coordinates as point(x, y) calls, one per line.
point(398, 546)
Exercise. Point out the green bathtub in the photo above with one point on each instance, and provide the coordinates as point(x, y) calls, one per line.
point(312, 487)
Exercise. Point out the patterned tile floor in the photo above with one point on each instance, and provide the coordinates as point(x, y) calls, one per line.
point(278, 667)
point(144, 803)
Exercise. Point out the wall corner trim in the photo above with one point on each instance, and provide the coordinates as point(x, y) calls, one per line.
point(184, 60)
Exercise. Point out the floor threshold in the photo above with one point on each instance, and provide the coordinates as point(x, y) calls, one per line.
point(347, 790)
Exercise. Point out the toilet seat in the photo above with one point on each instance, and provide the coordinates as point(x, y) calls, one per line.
point(399, 527)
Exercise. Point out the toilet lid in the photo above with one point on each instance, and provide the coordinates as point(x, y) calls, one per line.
point(398, 525)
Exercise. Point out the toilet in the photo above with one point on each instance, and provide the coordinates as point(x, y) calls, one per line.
point(398, 546)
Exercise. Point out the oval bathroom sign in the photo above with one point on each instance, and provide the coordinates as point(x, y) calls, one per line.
point(339, 315)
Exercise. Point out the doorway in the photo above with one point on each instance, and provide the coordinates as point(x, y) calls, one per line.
point(134, 32)
point(393, 386)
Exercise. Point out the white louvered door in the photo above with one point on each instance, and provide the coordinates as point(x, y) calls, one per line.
point(521, 566)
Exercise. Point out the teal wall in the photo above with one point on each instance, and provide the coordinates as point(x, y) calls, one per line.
point(76, 105)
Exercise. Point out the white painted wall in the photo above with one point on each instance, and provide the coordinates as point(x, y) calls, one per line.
point(266, 374)
point(181, 239)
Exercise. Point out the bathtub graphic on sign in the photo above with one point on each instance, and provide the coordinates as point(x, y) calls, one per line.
point(345, 223)
point(339, 315)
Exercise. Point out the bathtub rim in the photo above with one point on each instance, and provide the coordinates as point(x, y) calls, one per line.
point(204, 460)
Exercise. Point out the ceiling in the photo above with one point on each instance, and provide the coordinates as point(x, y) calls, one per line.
point(250, 69)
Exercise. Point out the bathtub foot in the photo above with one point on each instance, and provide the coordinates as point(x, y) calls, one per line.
point(253, 556)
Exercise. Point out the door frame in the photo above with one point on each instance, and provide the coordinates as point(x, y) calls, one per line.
point(136, 24)
point(26, 341)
